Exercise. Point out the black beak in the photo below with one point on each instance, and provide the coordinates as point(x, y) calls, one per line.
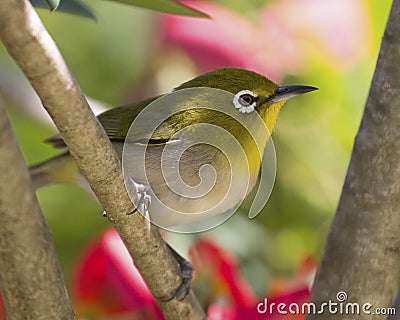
point(287, 92)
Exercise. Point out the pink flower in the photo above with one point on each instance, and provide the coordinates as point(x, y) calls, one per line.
point(335, 31)
point(279, 39)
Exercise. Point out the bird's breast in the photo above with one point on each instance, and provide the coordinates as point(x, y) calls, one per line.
point(188, 181)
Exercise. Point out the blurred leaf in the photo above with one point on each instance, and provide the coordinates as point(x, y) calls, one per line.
point(165, 6)
point(243, 5)
point(53, 4)
point(75, 7)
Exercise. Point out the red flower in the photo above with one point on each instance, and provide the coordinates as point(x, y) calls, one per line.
point(2, 310)
point(261, 310)
point(106, 283)
point(219, 269)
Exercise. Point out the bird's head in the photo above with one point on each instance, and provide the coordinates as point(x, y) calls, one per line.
point(252, 91)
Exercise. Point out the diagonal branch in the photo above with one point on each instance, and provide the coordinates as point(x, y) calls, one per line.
point(31, 281)
point(31, 46)
point(362, 255)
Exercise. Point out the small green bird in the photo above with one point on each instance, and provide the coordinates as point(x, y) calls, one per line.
point(175, 153)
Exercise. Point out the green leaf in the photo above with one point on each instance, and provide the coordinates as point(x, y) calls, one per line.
point(52, 4)
point(165, 6)
point(75, 7)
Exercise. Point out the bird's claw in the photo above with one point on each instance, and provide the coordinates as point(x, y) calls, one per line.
point(143, 199)
point(183, 290)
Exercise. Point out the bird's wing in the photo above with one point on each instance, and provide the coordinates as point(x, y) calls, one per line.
point(116, 122)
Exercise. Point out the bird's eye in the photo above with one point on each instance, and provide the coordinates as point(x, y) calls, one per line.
point(245, 101)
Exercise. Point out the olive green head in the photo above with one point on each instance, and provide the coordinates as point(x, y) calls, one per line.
point(233, 80)
point(252, 91)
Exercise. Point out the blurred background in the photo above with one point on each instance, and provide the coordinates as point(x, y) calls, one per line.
point(131, 53)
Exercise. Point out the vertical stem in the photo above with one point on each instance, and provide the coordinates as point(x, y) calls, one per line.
point(362, 255)
point(31, 282)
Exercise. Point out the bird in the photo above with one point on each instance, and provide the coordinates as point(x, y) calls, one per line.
point(190, 155)
point(211, 98)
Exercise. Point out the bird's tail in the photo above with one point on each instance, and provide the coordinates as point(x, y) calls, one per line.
point(61, 169)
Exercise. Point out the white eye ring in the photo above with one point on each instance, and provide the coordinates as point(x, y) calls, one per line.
point(240, 101)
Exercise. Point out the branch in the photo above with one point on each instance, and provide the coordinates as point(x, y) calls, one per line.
point(31, 46)
point(31, 281)
point(362, 255)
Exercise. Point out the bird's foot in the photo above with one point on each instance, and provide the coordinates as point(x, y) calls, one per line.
point(187, 275)
point(143, 199)
point(186, 272)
